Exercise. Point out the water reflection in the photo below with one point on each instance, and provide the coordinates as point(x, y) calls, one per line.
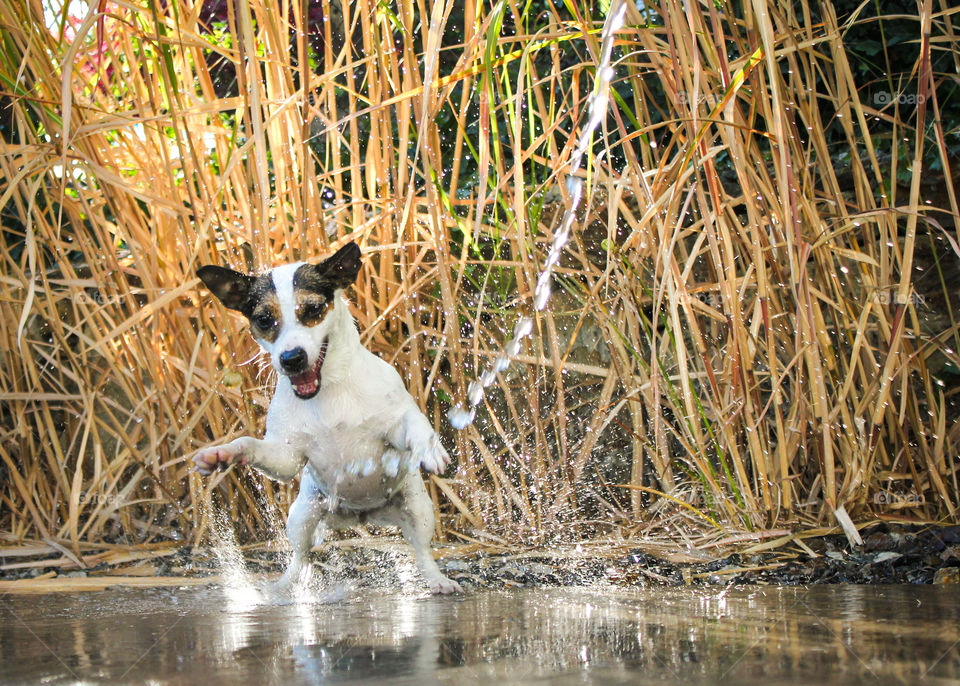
point(826, 634)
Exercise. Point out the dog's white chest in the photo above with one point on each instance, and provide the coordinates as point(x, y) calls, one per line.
point(337, 428)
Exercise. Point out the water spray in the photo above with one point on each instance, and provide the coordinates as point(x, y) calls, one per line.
point(463, 415)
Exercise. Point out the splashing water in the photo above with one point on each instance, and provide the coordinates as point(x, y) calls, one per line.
point(462, 416)
point(244, 591)
point(238, 584)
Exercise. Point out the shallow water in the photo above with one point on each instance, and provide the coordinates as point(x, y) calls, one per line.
point(664, 636)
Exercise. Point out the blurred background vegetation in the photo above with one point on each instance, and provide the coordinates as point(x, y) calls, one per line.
point(754, 325)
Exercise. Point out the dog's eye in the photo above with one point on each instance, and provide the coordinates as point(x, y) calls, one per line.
point(311, 310)
point(264, 321)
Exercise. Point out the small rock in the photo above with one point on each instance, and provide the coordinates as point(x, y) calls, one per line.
point(878, 541)
point(950, 534)
point(947, 575)
point(540, 569)
point(467, 579)
point(886, 557)
point(511, 570)
point(457, 566)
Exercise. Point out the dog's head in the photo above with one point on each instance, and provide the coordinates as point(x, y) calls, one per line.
point(287, 308)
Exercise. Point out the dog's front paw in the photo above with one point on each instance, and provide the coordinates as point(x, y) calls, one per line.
point(414, 444)
point(210, 458)
point(424, 448)
point(430, 455)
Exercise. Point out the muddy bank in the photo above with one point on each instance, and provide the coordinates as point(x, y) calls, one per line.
point(891, 554)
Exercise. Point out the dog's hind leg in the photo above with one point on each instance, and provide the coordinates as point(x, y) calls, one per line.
point(412, 511)
point(305, 513)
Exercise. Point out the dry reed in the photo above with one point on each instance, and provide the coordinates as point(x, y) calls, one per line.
point(735, 336)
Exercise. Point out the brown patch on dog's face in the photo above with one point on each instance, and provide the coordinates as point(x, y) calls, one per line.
point(263, 309)
point(311, 309)
point(254, 296)
point(312, 295)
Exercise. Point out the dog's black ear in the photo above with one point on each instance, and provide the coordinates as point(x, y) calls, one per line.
point(341, 269)
point(232, 288)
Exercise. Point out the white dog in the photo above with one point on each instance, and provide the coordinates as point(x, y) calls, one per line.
point(338, 410)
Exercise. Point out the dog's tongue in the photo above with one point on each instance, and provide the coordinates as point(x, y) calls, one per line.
point(307, 384)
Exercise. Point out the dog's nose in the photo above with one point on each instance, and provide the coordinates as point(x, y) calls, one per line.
point(293, 361)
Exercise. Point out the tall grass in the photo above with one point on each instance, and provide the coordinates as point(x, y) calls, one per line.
point(735, 342)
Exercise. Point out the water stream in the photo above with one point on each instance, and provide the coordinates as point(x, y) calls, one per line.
point(462, 415)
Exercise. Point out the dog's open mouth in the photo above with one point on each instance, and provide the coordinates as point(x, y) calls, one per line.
point(306, 384)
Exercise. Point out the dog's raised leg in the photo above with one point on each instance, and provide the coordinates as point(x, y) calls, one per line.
point(280, 460)
point(305, 513)
point(412, 511)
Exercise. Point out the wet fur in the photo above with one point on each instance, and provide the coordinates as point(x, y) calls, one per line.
point(359, 441)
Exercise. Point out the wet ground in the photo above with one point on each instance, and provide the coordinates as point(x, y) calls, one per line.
point(890, 554)
point(839, 634)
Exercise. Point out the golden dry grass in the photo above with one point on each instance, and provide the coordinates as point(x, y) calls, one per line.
point(734, 344)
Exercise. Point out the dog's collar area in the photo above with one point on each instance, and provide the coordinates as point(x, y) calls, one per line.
point(307, 384)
